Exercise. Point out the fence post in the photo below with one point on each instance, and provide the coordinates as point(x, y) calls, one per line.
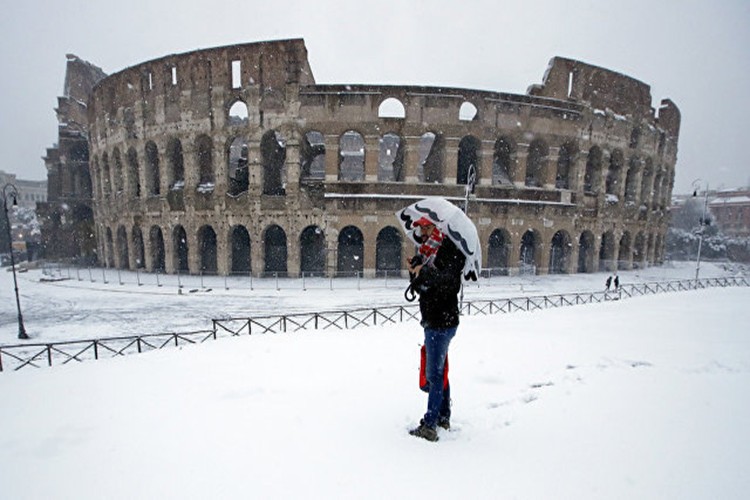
point(91, 277)
point(104, 276)
point(276, 276)
point(358, 280)
point(138, 276)
point(304, 288)
point(157, 279)
point(119, 276)
point(49, 354)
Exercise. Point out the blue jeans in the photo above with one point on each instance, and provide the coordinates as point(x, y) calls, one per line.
point(436, 341)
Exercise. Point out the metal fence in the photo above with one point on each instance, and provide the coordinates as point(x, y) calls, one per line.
point(15, 357)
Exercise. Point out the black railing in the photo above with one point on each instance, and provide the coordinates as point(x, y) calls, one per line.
point(15, 357)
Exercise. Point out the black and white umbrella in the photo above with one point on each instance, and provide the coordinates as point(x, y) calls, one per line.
point(452, 222)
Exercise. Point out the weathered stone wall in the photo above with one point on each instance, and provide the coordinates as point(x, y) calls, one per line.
point(573, 177)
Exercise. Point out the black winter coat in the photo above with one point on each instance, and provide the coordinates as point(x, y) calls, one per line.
point(438, 285)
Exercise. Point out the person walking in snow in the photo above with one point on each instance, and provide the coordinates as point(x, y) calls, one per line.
point(617, 282)
point(608, 283)
point(436, 272)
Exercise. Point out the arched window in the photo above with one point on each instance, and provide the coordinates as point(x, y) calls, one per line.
point(175, 165)
point(157, 250)
point(623, 257)
point(528, 253)
point(351, 157)
point(498, 253)
point(607, 253)
point(503, 161)
point(110, 249)
point(612, 182)
point(391, 159)
point(631, 180)
point(134, 177)
point(106, 178)
point(274, 245)
point(350, 251)
point(391, 108)
point(153, 179)
point(117, 170)
point(241, 255)
point(536, 162)
point(208, 252)
point(238, 114)
point(592, 177)
point(312, 245)
point(237, 166)
point(180, 246)
point(565, 158)
point(559, 253)
point(467, 112)
point(430, 167)
point(313, 156)
point(273, 159)
point(468, 160)
point(647, 181)
point(586, 252)
point(138, 250)
point(388, 246)
point(122, 248)
point(204, 151)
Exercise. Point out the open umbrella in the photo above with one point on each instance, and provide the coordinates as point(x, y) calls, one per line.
point(452, 222)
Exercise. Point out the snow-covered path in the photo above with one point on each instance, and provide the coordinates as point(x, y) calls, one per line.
point(644, 398)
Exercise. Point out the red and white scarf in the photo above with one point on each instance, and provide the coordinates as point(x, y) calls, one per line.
point(429, 248)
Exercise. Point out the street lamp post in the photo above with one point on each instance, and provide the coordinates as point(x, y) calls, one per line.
point(10, 189)
point(703, 225)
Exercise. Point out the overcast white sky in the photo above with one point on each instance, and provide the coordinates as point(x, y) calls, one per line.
point(695, 52)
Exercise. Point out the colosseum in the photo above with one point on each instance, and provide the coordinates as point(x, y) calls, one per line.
point(233, 160)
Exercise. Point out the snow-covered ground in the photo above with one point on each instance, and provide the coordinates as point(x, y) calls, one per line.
point(642, 398)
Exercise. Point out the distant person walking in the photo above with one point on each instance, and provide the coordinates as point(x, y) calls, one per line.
point(617, 282)
point(608, 283)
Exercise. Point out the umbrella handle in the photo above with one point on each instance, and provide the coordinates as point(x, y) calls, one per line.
point(409, 294)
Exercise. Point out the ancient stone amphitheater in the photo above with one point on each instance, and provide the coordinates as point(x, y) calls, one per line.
point(233, 160)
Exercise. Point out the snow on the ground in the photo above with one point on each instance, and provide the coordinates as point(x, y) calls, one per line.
point(641, 398)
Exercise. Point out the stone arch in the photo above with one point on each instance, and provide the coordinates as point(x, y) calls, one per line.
point(468, 112)
point(498, 253)
point(391, 158)
point(647, 180)
point(237, 166)
point(153, 179)
point(560, 249)
point(639, 251)
point(208, 249)
point(388, 246)
point(504, 161)
point(275, 250)
point(592, 178)
point(529, 254)
point(138, 249)
point(391, 108)
point(175, 164)
point(156, 238)
point(656, 192)
point(117, 171)
point(110, 247)
point(586, 244)
point(351, 249)
point(313, 156)
point(312, 245)
point(241, 250)
point(273, 160)
point(122, 248)
point(237, 114)
point(469, 151)
point(180, 249)
point(631, 180)
point(431, 158)
point(134, 178)
point(536, 163)
point(106, 176)
point(623, 255)
point(351, 156)
point(607, 252)
point(565, 159)
point(204, 158)
point(612, 182)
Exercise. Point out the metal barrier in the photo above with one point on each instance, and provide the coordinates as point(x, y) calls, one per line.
point(20, 356)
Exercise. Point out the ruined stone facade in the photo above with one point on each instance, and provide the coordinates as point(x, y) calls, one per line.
point(67, 216)
point(233, 160)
